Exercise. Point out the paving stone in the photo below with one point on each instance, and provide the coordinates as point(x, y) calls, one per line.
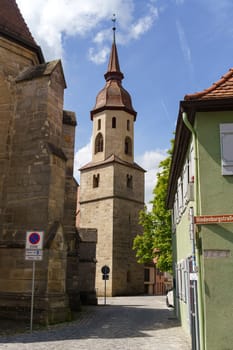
point(124, 323)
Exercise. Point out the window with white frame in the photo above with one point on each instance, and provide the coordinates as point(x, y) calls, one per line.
point(226, 143)
point(185, 188)
point(182, 280)
point(186, 180)
point(180, 196)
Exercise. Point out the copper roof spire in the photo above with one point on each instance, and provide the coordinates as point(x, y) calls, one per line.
point(114, 71)
point(113, 96)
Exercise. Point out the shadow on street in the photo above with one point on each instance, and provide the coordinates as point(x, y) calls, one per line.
point(102, 321)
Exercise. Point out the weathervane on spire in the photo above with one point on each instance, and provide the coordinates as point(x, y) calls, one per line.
point(114, 26)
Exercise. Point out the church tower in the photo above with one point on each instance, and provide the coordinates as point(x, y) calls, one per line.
point(112, 185)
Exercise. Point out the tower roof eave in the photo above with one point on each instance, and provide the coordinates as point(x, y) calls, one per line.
point(113, 108)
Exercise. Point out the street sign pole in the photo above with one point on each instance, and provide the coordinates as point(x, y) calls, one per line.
point(105, 271)
point(32, 298)
point(33, 252)
point(105, 291)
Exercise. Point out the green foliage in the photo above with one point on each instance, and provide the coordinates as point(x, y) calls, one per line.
point(155, 244)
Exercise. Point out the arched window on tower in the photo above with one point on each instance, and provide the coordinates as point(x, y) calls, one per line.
point(113, 122)
point(99, 143)
point(128, 146)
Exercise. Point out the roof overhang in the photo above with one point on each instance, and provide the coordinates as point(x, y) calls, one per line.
point(22, 42)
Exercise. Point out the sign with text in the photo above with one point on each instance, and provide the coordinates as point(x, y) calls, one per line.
point(33, 254)
point(213, 219)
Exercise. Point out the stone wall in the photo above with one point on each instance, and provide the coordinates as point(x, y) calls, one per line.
point(13, 59)
point(38, 191)
point(87, 265)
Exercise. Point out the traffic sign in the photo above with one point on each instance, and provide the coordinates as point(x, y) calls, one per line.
point(34, 240)
point(105, 277)
point(105, 270)
point(33, 254)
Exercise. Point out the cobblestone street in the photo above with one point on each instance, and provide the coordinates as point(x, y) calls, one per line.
point(125, 323)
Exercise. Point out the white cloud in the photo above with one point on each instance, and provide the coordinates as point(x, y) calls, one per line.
point(143, 24)
point(82, 157)
point(98, 56)
point(183, 42)
point(51, 22)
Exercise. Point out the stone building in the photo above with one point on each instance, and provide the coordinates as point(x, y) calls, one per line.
point(37, 188)
point(112, 186)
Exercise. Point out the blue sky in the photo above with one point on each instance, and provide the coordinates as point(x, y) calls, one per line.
point(166, 48)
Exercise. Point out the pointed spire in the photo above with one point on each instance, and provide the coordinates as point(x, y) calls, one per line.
point(113, 96)
point(114, 72)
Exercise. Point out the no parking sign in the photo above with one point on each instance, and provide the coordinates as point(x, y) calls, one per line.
point(34, 240)
point(34, 245)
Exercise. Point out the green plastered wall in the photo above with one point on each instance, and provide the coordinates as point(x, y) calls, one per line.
point(216, 198)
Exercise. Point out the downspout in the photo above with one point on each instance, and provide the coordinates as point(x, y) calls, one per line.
point(196, 253)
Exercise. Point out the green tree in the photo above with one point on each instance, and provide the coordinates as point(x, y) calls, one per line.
point(155, 244)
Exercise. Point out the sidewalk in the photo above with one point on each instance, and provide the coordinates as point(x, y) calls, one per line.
point(125, 323)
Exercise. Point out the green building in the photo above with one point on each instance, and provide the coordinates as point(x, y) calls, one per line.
point(200, 194)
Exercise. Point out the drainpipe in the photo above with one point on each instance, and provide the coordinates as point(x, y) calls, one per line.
point(196, 253)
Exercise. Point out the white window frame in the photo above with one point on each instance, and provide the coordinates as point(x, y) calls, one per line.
point(226, 144)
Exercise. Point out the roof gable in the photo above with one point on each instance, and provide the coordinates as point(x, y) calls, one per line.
point(13, 26)
point(12, 21)
point(41, 70)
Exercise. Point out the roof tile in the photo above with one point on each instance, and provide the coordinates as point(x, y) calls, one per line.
point(223, 88)
point(12, 22)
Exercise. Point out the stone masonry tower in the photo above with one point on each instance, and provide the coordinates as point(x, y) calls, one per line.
point(112, 186)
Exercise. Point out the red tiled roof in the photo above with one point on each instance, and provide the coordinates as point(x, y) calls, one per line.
point(12, 22)
point(222, 89)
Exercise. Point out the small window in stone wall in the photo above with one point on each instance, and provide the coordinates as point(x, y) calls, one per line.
point(128, 125)
point(128, 146)
point(129, 181)
point(96, 180)
point(99, 124)
point(113, 122)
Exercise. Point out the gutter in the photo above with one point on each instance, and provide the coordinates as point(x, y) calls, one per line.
point(195, 250)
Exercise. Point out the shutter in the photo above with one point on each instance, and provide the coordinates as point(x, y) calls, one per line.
point(226, 143)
